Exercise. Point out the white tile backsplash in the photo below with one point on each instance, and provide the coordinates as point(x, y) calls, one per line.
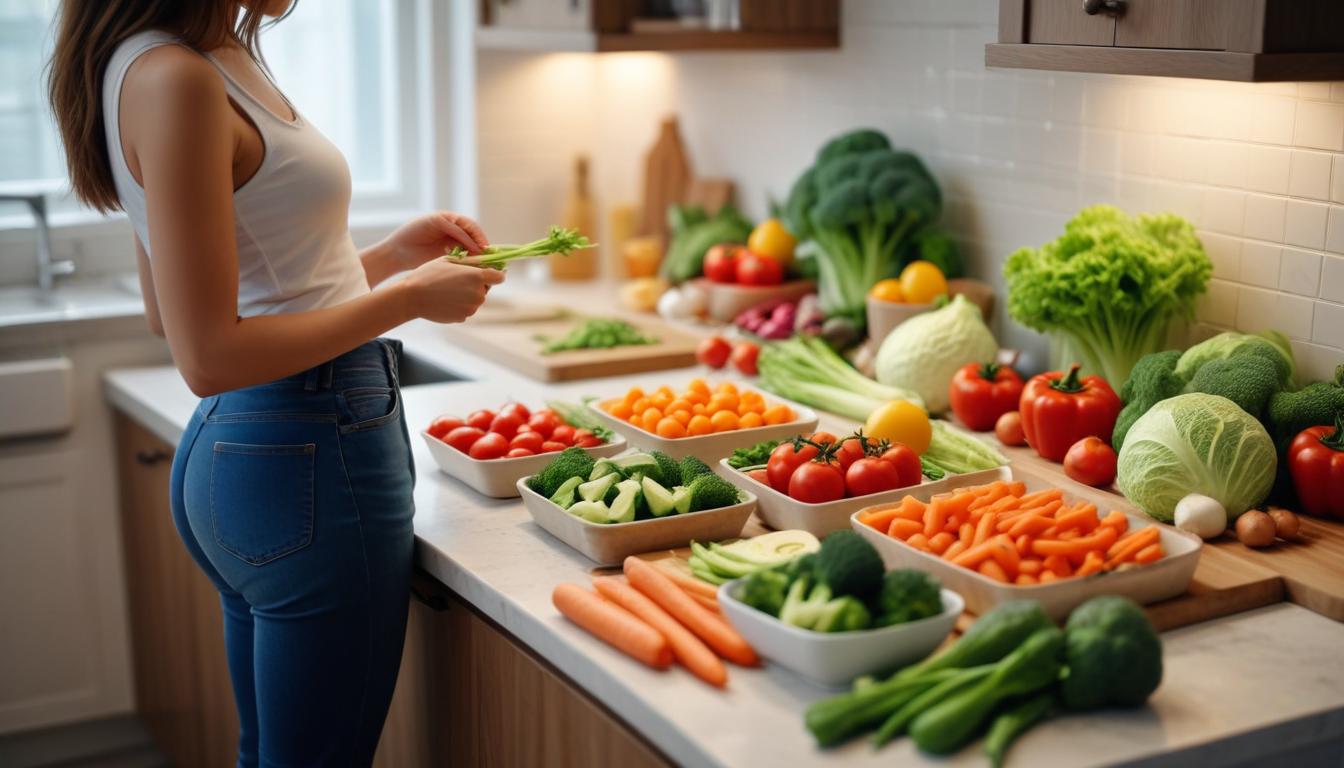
point(1267, 168)
point(1337, 179)
point(1305, 224)
point(1265, 217)
point(1260, 264)
point(1300, 272)
point(1329, 325)
point(1309, 175)
point(1319, 124)
point(1332, 278)
point(1334, 236)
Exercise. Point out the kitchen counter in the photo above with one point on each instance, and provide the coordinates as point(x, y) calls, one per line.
point(1236, 690)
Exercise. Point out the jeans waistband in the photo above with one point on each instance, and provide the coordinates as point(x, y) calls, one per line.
point(373, 362)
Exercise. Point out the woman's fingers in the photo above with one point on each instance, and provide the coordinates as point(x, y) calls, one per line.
point(463, 231)
point(473, 229)
point(492, 276)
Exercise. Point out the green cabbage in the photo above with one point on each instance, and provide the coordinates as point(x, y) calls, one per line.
point(923, 353)
point(1196, 443)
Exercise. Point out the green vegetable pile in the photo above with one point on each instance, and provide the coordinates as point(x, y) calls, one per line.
point(598, 333)
point(842, 588)
point(954, 452)
point(860, 209)
point(693, 233)
point(638, 486)
point(1108, 289)
point(754, 456)
point(806, 370)
point(721, 563)
point(1012, 669)
point(558, 240)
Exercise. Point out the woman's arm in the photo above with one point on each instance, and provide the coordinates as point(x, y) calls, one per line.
point(178, 121)
point(147, 289)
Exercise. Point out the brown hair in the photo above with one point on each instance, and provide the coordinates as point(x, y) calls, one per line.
point(89, 33)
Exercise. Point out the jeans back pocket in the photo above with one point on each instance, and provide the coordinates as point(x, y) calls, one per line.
point(368, 407)
point(261, 499)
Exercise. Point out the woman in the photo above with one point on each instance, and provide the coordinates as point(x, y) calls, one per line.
point(292, 484)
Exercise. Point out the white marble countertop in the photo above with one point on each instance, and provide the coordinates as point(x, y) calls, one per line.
point(1236, 689)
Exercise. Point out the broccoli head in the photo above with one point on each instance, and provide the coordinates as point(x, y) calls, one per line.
point(1271, 345)
point(849, 565)
point(572, 462)
point(765, 590)
point(843, 614)
point(937, 248)
point(1315, 404)
point(908, 595)
point(1247, 380)
point(690, 468)
point(712, 492)
point(669, 473)
point(1113, 654)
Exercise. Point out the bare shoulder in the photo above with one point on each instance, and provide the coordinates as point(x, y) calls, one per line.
point(171, 77)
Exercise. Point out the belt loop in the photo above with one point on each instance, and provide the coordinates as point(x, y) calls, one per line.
point(327, 370)
point(310, 380)
point(389, 354)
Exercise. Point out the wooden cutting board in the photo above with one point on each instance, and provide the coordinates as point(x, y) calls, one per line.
point(1312, 569)
point(517, 346)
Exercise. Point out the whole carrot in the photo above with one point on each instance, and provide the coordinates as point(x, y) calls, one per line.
point(612, 625)
point(714, 631)
point(686, 647)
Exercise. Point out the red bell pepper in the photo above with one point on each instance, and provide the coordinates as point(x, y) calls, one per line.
point(1316, 461)
point(980, 394)
point(1060, 409)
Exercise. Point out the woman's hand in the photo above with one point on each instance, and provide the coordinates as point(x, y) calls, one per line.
point(432, 235)
point(445, 292)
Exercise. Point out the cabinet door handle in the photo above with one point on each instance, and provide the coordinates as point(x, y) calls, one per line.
point(150, 458)
point(1109, 7)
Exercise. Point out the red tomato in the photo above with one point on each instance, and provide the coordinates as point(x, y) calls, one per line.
point(563, 434)
point(517, 409)
point(783, 461)
point(980, 394)
point(816, 483)
point(481, 419)
point(462, 438)
point(721, 262)
point(586, 439)
point(822, 438)
point(906, 461)
point(755, 269)
point(873, 475)
point(761, 476)
point(526, 428)
point(713, 351)
point(550, 446)
point(1091, 461)
point(529, 440)
point(544, 423)
point(744, 357)
point(491, 445)
point(506, 424)
point(518, 453)
point(443, 425)
point(850, 451)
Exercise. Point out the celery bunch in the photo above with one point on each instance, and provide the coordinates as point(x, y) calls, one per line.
point(558, 240)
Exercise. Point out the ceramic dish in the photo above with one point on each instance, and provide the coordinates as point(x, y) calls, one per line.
point(610, 544)
point(499, 477)
point(834, 659)
point(1143, 584)
point(728, 300)
point(709, 448)
point(783, 513)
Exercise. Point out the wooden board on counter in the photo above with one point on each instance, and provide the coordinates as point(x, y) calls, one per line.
point(516, 346)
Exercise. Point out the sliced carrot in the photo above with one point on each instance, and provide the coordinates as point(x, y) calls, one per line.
point(955, 549)
point(935, 516)
point(1017, 488)
point(904, 529)
point(985, 527)
point(714, 631)
point(1041, 497)
point(1149, 554)
point(1102, 539)
point(966, 533)
point(1030, 565)
point(996, 491)
point(613, 625)
point(954, 523)
point(1058, 565)
point(1023, 544)
point(878, 519)
point(939, 544)
point(994, 571)
point(686, 647)
point(1117, 520)
point(1026, 580)
point(959, 503)
point(911, 509)
point(1082, 516)
point(693, 585)
point(1005, 505)
point(1129, 545)
point(1092, 563)
point(919, 541)
point(1034, 525)
point(1047, 576)
point(1005, 554)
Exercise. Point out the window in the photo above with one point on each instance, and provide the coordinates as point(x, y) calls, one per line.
point(30, 151)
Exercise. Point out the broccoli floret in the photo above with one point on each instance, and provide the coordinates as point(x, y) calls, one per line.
point(712, 492)
point(669, 472)
point(1153, 379)
point(1247, 380)
point(1315, 404)
point(803, 602)
point(843, 614)
point(572, 462)
point(849, 565)
point(1113, 654)
point(1271, 345)
point(765, 590)
point(937, 248)
point(908, 595)
point(691, 468)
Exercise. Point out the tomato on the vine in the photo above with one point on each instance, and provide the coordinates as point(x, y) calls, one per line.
point(784, 459)
point(817, 482)
point(850, 451)
point(871, 475)
point(906, 461)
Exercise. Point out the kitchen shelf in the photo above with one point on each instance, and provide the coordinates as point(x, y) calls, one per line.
point(515, 39)
point(1210, 65)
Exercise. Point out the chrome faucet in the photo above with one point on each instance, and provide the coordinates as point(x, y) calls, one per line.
point(47, 269)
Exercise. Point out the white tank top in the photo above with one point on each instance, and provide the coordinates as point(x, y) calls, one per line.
point(291, 218)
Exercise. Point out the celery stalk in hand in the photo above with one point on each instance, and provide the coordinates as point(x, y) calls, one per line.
point(559, 240)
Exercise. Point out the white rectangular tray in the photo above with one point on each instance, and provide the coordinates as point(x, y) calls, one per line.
point(610, 544)
point(709, 448)
point(1144, 584)
point(499, 477)
point(783, 513)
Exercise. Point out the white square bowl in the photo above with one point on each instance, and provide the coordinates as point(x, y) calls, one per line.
point(709, 448)
point(1143, 584)
point(499, 477)
point(784, 513)
point(611, 543)
point(834, 659)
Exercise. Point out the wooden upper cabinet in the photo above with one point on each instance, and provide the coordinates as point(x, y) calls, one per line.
point(1254, 40)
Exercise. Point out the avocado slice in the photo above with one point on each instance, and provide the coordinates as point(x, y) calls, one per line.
point(605, 467)
point(595, 490)
point(564, 496)
point(659, 499)
point(626, 505)
point(592, 511)
point(681, 499)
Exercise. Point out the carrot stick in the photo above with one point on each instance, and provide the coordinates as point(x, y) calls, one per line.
point(1058, 565)
point(911, 509)
point(967, 533)
point(1026, 524)
point(935, 516)
point(613, 625)
point(1149, 554)
point(959, 503)
point(1023, 544)
point(1131, 544)
point(686, 647)
point(1026, 579)
point(1101, 540)
point(1005, 505)
point(1047, 576)
point(904, 529)
point(994, 571)
point(956, 548)
point(1091, 564)
point(1017, 488)
point(1005, 554)
point(954, 523)
point(1041, 497)
point(919, 541)
point(1117, 520)
point(878, 519)
point(1083, 516)
point(712, 605)
point(1030, 565)
point(714, 631)
point(693, 585)
point(996, 491)
point(985, 528)
point(939, 544)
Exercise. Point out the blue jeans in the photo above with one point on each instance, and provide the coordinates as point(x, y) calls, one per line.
point(295, 498)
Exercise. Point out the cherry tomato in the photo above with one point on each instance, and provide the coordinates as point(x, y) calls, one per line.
point(906, 461)
point(563, 434)
point(1009, 429)
point(551, 446)
point(1090, 461)
point(721, 262)
point(713, 352)
point(443, 425)
point(544, 423)
point(755, 269)
point(871, 475)
point(506, 424)
point(530, 440)
point(481, 419)
point(850, 451)
point(491, 445)
point(526, 428)
point(782, 463)
point(822, 438)
point(744, 357)
point(463, 437)
point(586, 439)
point(816, 483)
point(761, 476)
point(518, 453)
point(517, 409)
